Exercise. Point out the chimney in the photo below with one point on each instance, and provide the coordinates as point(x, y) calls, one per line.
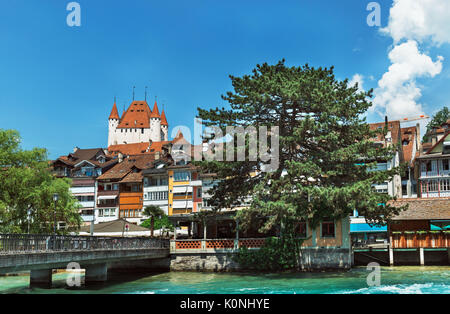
point(418, 140)
point(120, 156)
point(75, 149)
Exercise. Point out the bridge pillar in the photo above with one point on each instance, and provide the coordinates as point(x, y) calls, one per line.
point(96, 273)
point(391, 256)
point(41, 278)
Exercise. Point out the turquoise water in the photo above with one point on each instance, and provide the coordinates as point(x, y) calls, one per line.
point(396, 280)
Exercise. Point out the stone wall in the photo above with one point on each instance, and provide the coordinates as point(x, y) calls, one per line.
point(313, 259)
point(214, 262)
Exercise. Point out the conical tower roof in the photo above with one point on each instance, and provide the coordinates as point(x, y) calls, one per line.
point(163, 118)
point(114, 113)
point(155, 111)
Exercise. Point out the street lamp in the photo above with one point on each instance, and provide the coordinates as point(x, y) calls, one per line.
point(55, 199)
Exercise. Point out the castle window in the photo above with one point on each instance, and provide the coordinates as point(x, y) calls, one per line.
point(142, 131)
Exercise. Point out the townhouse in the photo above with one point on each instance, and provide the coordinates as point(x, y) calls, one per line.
point(83, 166)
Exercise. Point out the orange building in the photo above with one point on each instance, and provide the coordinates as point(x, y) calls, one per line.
point(128, 175)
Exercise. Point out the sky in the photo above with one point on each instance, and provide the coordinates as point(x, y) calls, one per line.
point(58, 83)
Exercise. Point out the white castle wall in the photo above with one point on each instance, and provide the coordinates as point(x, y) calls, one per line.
point(155, 129)
point(155, 133)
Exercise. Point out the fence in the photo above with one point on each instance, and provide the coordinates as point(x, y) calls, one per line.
point(22, 243)
point(406, 240)
point(215, 244)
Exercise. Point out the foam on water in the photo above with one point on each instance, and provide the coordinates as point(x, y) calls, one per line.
point(394, 280)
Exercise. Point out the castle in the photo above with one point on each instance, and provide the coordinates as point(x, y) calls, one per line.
point(138, 124)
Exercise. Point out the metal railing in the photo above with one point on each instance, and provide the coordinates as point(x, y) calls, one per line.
point(23, 243)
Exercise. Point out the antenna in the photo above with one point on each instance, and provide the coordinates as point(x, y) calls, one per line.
point(114, 99)
point(145, 93)
point(133, 91)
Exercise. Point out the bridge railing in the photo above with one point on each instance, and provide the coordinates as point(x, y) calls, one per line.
point(17, 243)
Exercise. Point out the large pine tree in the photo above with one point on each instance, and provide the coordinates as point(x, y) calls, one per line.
point(326, 149)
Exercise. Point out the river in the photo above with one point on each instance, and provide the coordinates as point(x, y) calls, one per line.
point(395, 280)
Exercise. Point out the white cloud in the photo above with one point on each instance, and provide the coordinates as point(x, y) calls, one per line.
point(411, 23)
point(419, 20)
point(357, 78)
point(397, 93)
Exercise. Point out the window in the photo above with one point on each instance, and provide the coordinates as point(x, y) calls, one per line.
point(433, 186)
point(158, 196)
point(182, 195)
point(328, 229)
point(199, 192)
point(445, 185)
point(446, 165)
point(182, 176)
point(301, 229)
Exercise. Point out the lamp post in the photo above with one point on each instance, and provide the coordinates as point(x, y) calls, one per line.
point(55, 200)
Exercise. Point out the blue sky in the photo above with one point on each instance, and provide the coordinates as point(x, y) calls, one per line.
point(57, 83)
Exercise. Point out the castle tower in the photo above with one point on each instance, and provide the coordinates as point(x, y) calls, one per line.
point(164, 127)
point(113, 122)
point(155, 124)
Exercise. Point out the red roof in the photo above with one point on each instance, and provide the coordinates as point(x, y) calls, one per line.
point(163, 118)
point(137, 148)
point(137, 116)
point(155, 111)
point(114, 113)
point(408, 135)
point(393, 126)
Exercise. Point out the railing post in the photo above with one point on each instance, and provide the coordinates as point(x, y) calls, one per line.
point(203, 244)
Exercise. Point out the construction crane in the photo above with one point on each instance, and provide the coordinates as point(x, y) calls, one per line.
point(421, 117)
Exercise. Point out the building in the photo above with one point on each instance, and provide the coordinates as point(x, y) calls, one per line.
point(138, 124)
point(411, 147)
point(434, 169)
point(83, 166)
point(156, 185)
point(123, 185)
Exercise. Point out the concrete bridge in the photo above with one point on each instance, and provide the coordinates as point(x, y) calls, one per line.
point(40, 254)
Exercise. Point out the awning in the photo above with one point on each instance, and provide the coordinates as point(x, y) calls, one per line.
point(182, 189)
point(440, 224)
point(361, 228)
point(107, 197)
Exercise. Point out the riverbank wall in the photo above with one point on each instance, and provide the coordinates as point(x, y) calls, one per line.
point(311, 259)
point(406, 257)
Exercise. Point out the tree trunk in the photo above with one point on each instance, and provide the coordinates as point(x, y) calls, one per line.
point(152, 223)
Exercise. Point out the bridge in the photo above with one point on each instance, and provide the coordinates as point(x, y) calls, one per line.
point(40, 254)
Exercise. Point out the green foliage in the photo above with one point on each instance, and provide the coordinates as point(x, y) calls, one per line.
point(27, 185)
point(438, 119)
point(153, 211)
point(326, 149)
point(162, 222)
point(277, 254)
